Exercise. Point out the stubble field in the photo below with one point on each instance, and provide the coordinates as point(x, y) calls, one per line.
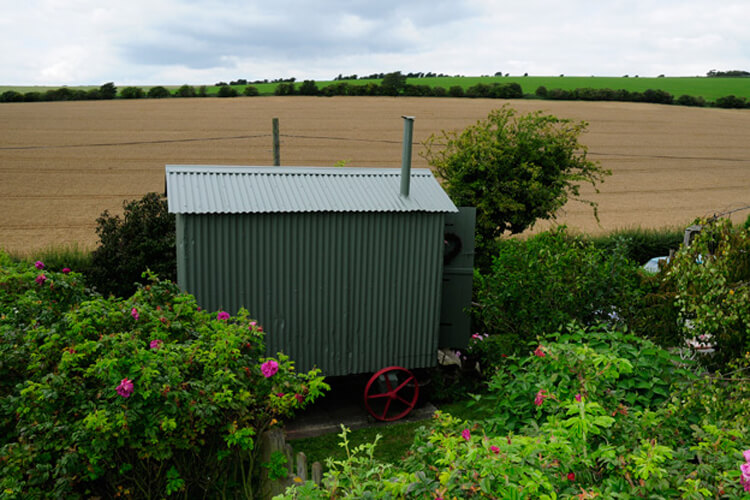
point(63, 163)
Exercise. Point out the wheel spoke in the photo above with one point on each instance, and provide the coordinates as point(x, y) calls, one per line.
point(403, 384)
point(407, 403)
point(381, 395)
point(387, 407)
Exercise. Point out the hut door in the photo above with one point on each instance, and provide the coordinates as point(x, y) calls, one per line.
point(458, 273)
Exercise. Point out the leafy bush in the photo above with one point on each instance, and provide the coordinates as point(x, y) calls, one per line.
point(144, 238)
point(537, 285)
point(227, 91)
point(309, 87)
point(251, 91)
point(144, 396)
point(456, 91)
point(11, 96)
point(594, 414)
point(185, 91)
point(712, 277)
point(132, 93)
point(158, 92)
point(731, 101)
point(688, 100)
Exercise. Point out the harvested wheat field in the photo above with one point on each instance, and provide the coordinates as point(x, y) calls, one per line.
point(63, 163)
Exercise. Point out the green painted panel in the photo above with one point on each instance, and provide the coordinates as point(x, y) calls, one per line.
point(458, 279)
point(347, 292)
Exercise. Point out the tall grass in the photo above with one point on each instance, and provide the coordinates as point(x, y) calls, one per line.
point(57, 257)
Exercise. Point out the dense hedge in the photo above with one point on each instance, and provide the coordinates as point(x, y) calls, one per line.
point(139, 397)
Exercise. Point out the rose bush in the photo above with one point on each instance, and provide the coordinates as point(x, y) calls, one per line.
point(145, 396)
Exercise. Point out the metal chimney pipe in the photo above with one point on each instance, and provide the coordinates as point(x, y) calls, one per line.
point(406, 155)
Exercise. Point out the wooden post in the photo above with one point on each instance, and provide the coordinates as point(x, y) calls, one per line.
point(276, 144)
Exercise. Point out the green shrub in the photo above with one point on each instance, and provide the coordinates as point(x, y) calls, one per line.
point(639, 244)
point(227, 91)
point(158, 92)
point(185, 91)
point(144, 238)
point(712, 277)
point(251, 91)
point(145, 396)
point(11, 96)
point(537, 285)
point(132, 93)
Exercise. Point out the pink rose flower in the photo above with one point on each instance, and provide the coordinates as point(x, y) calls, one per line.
point(300, 398)
point(269, 368)
point(540, 397)
point(39, 264)
point(466, 434)
point(41, 279)
point(579, 398)
point(222, 315)
point(66, 270)
point(156, 344)
point(571, 476)
point(253, 324)
point(746, 454)
point(745, 476)
point(125, 389)
point(134, 313)
point(539, 352)
point(495, 449)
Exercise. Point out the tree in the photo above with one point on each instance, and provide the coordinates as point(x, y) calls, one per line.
point(158, 92)
point(251, 91)
point(185, 91)
point(144, 238)
point(108, 91)
point(227, 91)
point(132, 93)
point(393, 83)
point(514, 169)
point(309, 87)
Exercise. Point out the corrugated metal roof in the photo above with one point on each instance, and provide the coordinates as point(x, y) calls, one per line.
point(198, 189)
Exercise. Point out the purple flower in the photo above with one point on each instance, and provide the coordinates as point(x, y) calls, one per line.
point(222, 315)
point(466, 434)
point(39, 264)
point(269, 368)
point(579, 398)
point(156, 344)
point(125, 389)
point(66, 270)
point(745, 476)
point(41, 279)
point(134, 313)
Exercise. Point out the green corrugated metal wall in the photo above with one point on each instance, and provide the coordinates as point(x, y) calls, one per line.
point(347, 292)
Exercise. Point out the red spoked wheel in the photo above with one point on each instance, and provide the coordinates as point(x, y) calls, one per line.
point(391, 393)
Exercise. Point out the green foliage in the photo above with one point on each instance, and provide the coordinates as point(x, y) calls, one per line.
point(147, 395)
point(639, 244)
point(731, 101)
point(712, 277)
point(681, 437)
point(309, 87)
point(514, 169)
point(285, 89)
point(158, 92)
point(143, 238)
point(535, 286)
point(393, 83)
point(185, 91)
point(132, 93)
point(251, 91)
point(227, 91)
point(108, 91)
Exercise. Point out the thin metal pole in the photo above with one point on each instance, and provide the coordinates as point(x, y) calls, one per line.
point(406, 155)
point(276, 144)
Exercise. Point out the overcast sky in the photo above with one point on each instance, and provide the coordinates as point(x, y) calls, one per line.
point(150, 42)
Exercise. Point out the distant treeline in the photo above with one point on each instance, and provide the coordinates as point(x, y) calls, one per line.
point(733, 73)
point(391, 84)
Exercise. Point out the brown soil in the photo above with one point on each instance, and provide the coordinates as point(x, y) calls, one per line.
point(63, 164)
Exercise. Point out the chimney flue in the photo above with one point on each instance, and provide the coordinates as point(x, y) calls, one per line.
point(406, 155)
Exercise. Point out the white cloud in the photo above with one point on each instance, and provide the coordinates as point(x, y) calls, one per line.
point(201, 41)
